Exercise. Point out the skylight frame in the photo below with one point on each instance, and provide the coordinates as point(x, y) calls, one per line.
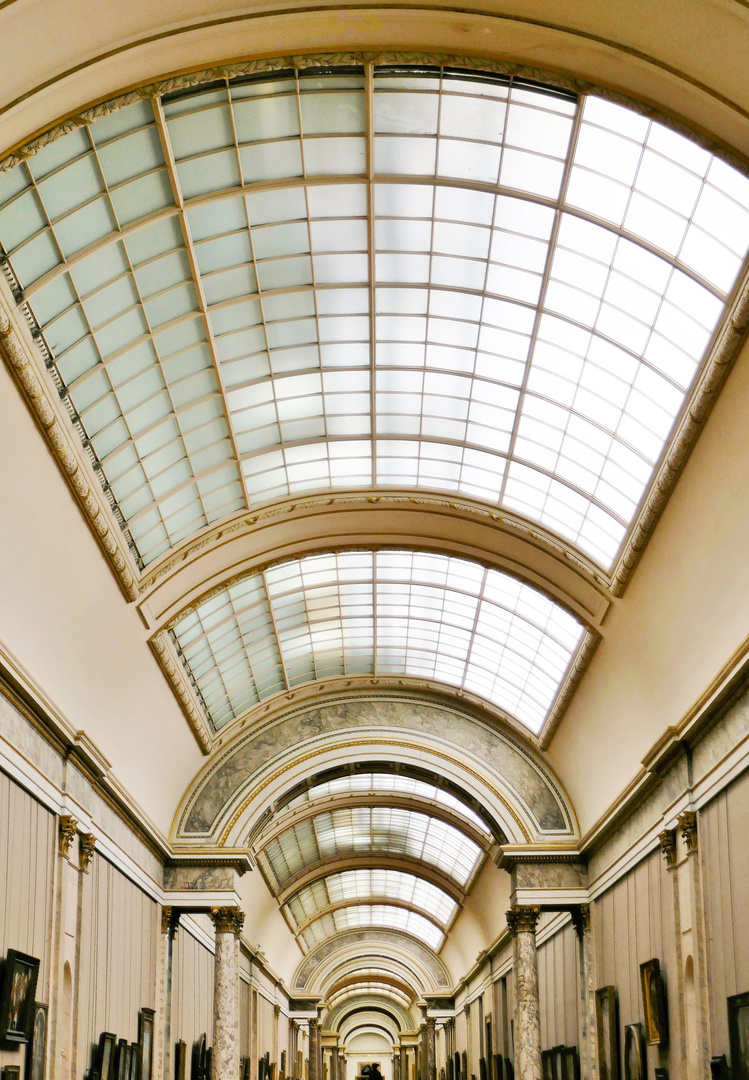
point(451, 73)
point(525, 643)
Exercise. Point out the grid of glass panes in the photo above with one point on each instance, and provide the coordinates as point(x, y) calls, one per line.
point(387, 781)
point(123, 322)
point(374, 915)
point(523, 355)
point(365, 884)
point(369, 989)
point(393, 612)
point(375, 830)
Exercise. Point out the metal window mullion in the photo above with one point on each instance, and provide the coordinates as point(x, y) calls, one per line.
point(166, 149)
point(542, 294)
point(272, 614)
point(370, 168)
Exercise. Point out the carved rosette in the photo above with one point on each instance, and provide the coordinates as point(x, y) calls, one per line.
point(667, 840)
point(66, 834)
point(688, 825)
point(227, 920)
point(522, 920)
point(86, 846)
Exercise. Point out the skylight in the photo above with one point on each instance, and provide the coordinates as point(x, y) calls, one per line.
point(386, 781)
point(376, 830)
point(389, 613)
point(382, 915)
point(364, 884)
point(473, 285)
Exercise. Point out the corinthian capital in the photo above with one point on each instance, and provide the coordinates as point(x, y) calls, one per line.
point(228, 920)
point(523, 919)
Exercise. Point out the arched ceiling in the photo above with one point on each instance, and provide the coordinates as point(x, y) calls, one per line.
point(465, 285)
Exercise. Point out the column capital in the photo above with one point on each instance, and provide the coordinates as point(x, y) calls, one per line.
point(169, 920)
point(86, 846)
point(667, 841)
point(581, 918)
point(227, 920)
point(66, 831)
point(523, 919)
point(688, 825)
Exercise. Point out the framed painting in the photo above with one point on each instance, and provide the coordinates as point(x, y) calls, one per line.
point(569, 1064)
point(499, 1067)
point(135, 1062)
point(122, 1062)
point(654, 1003)
point(547, 1065)
point(719, 1068)
point(738, 1033)
point(180, 1060)
point(36, 1048)
point(145, 1043)
point(105, 1055)
point(509, 1069)
point(12, 1072)
point(17, 997)
point(634, 1053)
point(607, 1019)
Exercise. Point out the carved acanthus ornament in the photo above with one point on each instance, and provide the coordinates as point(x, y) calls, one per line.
point(688, 825)
point(66, 834)
point(523, 920)
point(667, 840)
point(177, 676)
point(169, 920)
point(581, 919)
point(86, 846)
point(227, 920)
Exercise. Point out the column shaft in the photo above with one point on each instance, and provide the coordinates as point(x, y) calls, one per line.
point(522, 922)
point(225, 1057)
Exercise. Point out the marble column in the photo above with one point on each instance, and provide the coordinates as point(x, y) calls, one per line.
point(522, 923)
point(431, 1049)
point(314, 1049)
point(162, 1035)
point(588, 1033)
point(225, 1058)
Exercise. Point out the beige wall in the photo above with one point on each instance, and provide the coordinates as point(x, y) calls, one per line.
point(558, 988)
point(192, 990)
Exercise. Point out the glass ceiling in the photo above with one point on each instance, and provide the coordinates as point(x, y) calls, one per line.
point(364, 884)
point(372, 987)
point(383, 613)
point(379, 782)
point(394, 918)
point(375, 830)
point(358, 278)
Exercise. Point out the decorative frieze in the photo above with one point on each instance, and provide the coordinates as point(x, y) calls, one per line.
point(86, 846)
point(66, 834)
point(523, 919)
point(227, 920)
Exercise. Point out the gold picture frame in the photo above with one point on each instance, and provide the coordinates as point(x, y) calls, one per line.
point(654, 1003)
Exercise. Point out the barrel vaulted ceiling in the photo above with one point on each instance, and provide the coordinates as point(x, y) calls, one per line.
point(368, 279)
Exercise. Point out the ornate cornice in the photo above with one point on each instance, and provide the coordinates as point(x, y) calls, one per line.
point(227, 920)
point(66, 448)
point(523, 920)
point(697, 408)
point(173, 668)
point(86, 846)
point(66, 831)
point(578, 667)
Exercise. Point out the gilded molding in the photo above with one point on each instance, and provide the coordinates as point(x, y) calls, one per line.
point(66, 831)
point(169, 920)
point(523, 920)
point(227, 920)
point(688, 824)
point(578, 667)
point(667, 841)
point(62, 444)
point(175, 672)
point(86, 846)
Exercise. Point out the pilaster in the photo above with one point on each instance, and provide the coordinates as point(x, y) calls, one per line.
point(522, 923)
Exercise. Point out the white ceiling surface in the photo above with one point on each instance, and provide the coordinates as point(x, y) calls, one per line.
point(436, 291)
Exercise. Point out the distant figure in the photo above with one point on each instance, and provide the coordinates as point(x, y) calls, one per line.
point(374, 1072)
